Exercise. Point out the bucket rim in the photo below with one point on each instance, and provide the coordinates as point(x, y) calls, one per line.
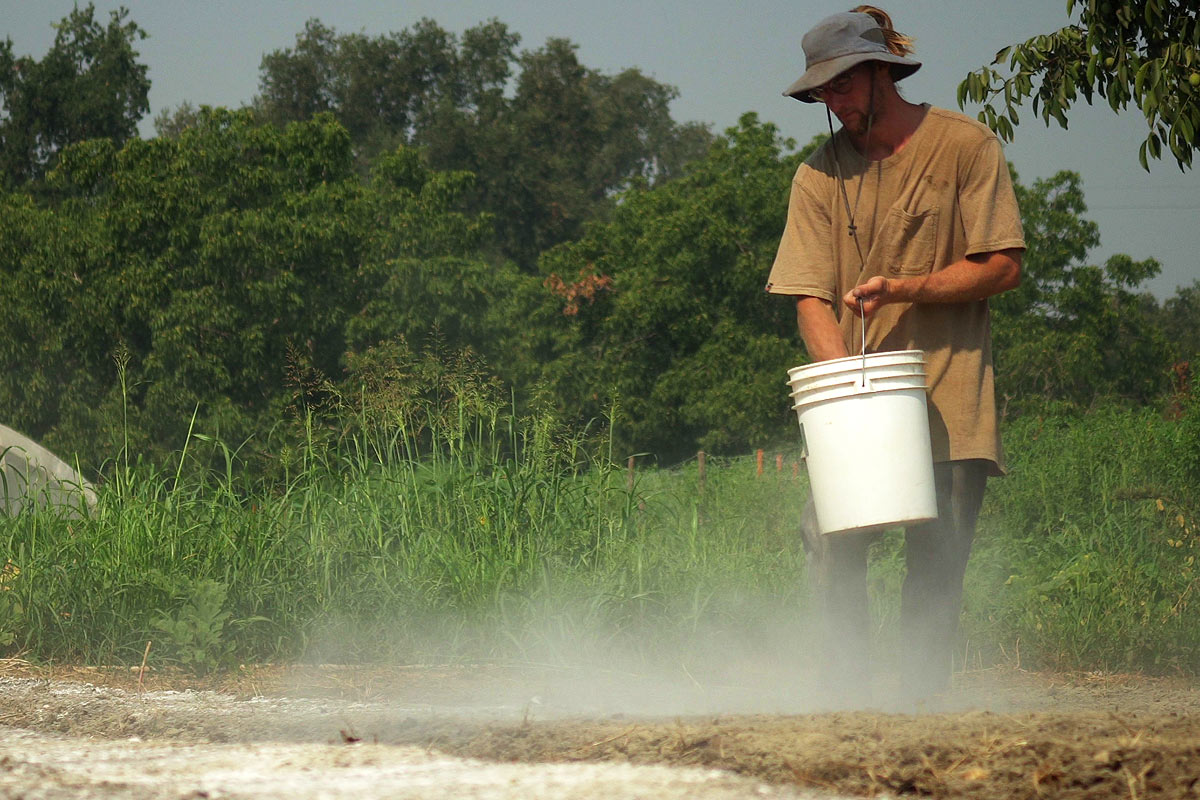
point(846, 363)
point(913, 381)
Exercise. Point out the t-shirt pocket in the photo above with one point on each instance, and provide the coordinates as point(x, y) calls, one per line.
point(910, 242)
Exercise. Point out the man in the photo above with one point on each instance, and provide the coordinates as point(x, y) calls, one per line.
point(903, 221)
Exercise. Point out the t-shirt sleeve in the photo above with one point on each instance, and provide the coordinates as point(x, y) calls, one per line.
point(987, 202)
point(804, 263)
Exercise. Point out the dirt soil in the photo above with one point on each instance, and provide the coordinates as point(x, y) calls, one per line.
point(546, 732)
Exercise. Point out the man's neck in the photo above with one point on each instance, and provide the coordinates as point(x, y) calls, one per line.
point(895, 121)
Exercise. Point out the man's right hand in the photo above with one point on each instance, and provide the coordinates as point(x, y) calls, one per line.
point(874, 294)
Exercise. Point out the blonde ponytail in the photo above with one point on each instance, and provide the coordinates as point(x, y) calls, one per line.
point(897, 43)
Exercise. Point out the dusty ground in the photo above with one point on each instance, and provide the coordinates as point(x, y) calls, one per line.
point(347, 732)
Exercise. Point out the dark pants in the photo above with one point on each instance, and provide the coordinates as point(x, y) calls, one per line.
point(935, 555)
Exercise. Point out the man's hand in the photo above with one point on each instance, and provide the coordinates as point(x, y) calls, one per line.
point(874, 293)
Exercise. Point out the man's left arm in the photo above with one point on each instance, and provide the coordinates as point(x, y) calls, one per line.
point(976, 277)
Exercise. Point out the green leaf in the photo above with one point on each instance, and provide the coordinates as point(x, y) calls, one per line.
point(1114, 98)
point(1150, 105)
point(1186, 131)
point(1006, 129)
point(1139, 79)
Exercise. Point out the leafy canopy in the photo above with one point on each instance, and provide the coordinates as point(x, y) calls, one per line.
point(665, 309)
point(1074, 331)
point(1145, 52)
point(215, 265)
point(89, 85)
point(549, 140)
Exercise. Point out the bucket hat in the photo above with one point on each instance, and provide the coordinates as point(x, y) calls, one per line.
point(838, 43)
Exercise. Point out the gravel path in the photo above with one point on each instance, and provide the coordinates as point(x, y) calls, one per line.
point(476, 732)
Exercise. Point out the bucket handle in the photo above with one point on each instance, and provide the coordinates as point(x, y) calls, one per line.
point(862, 316)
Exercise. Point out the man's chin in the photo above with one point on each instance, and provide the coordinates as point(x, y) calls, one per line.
point(854, 123)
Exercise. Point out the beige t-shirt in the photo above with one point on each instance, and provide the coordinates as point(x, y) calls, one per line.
point(946, 195)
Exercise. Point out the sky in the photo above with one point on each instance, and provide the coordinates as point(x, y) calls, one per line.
point(724, 58)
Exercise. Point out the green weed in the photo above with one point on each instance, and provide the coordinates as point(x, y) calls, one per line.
point(194, 630)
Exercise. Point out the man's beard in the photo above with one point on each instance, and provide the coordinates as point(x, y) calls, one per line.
point(858, 124)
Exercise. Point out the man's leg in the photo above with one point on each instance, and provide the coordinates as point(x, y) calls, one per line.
point(837, 574)
point(936, 556)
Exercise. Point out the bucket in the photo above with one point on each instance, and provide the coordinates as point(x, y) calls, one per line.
point(865, 429)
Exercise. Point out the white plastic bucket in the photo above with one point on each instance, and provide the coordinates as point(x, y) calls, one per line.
point(866, 440)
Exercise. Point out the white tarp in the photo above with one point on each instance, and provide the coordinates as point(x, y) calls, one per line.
point(30, 475)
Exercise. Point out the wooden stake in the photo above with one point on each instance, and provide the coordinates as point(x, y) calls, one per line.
point(758, 457)
point(700, 464)
point(629, 475)
point(779, 462)
point(142, 670)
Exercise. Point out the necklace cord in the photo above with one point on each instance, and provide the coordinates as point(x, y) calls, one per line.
point(851, 213)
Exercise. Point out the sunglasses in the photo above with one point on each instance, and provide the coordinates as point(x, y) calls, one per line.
point(839, 85)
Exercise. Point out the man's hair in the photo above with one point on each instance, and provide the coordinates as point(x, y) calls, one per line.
point(897, 43)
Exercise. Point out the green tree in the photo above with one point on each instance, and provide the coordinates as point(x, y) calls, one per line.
point(216, 265)
point(172, 123)
point(88, 86)
point(1142, 51)
point(386, 89)
point(1180, 321)
point(1074, 331)
point(547, 158)
point(662, 307)
point(578, 138)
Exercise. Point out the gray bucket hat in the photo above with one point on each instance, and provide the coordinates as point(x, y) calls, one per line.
point(839, 42)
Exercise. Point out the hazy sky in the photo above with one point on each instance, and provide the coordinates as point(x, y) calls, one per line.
point(725, 58)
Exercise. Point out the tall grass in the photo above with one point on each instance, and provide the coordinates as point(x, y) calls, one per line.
point(462, 531)
point(466, 534)
point(1086, 557)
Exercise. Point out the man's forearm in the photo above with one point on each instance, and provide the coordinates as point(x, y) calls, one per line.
point(819, 329)
point(963, 282)
point(973, 278)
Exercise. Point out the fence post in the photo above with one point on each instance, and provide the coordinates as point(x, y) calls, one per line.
point(700, 465)
point(758, 456)
point(629, 475)
point(779, 462)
